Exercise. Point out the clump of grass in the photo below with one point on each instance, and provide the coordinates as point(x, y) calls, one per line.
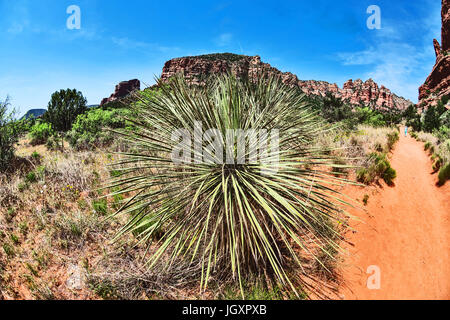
point(379, 167)
point(74, 228)
point(256, 290)
point(8, 249)
point(104, 289)
point(392, 138)
point(31, 177)
point(437, 162)
point(35, 155)
point(22, 186)
point(366, 199)
point(100, 206)
point(444, 174)
point(41, 257)
point(32, 269)
point(14, 239)
point(389, 175)
point(10, 214)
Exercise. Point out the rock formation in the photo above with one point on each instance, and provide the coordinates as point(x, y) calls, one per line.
point(197, 69)
point(438, 82)
point(122, 90)
point(445, 25)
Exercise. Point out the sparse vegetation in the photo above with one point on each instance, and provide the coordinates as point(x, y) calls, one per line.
point(40, 133)
point(366, 199)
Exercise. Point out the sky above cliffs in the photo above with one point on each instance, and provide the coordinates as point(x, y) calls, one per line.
point(122, 40)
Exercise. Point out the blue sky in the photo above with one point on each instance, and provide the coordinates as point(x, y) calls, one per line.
point(122, 40)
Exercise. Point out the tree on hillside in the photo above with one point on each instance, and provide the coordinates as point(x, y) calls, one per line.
point(63, 109)
point(10, 130)
point(431, 120)
point(412, 117)
point(334, 109)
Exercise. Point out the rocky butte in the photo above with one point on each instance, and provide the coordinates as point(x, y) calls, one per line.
point(122, 90)
point(197, 69)
point(438, 82)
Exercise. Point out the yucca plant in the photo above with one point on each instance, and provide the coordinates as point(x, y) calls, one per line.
point(232, 219)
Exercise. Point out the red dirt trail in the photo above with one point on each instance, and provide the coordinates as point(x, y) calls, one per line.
point(405, 231)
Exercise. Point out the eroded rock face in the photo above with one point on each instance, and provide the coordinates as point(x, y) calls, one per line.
point(438, 82)
point(122, 90)
point(446, 25)
point(197, 69)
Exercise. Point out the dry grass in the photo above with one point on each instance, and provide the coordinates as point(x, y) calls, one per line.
point(441, 148)
point(47, 222)
point(356, 146)
point(52, 224)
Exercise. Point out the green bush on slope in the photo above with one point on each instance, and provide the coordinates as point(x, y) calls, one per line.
point(40, 133)
point(90, 130)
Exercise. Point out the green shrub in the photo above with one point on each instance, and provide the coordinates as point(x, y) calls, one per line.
point(90, 130)
point(427, 146)
point(22, 186)
point(54, 143)
point(389, 175)
point(366, 199)
point(10, 131)
point(40, 133)
point(379, 167)
point(437, 162)
point(444, 174)
point(31, 177)
point(100, 206)
point(8, 249)
point(35, 155)
point(393, 137)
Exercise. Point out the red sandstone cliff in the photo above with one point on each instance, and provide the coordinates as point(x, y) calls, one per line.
point(122, 90)
point(197, 69)
point(438, 82)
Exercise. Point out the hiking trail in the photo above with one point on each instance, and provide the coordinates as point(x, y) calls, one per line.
point(404, 230)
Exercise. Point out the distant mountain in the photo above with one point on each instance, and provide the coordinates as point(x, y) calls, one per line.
point(34, 113)
point(355, 92)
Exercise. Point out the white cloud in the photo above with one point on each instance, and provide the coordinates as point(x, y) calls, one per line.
point(224, 39)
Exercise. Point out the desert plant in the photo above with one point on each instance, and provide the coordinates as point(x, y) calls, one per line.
point(10, 131)
point(90, 130)
point(392, 138)
point(40, 133)
point(379, 167)
point(366, 199)
point(444, 174)
point(232, 219)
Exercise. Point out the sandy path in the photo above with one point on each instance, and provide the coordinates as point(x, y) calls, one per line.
point(406, 233)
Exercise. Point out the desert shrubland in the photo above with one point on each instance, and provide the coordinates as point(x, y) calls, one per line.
point(366, 148)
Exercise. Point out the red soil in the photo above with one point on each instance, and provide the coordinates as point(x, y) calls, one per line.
point(405, 231)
